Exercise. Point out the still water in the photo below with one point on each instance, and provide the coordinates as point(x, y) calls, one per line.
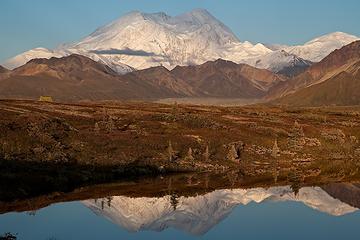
point(255, 213)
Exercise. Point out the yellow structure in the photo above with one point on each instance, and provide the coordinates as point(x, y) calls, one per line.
point(45, 99)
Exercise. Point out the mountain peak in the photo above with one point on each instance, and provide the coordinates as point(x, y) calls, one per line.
point(318, 48)
point(339, 34)
point(142, 40)
point(197, 12)
point(132, 14)
point(73, 57)
point(70, 63)
point(334, 36)
point(223, 62)
point(201, 12)
point(190, 38)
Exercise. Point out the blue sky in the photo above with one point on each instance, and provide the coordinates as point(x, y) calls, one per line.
point(25, 24)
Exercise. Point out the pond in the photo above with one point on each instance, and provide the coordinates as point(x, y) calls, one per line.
point(276, 212)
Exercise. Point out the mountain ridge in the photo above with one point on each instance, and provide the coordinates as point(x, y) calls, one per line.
point(331, 81)
point(76, 77)
point(342, 89)
point(336, 62)
point(3, 69)
point(239, 80)
point(139, 40)
point(318, 48)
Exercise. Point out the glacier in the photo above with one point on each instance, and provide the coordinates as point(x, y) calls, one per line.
point(139, 40)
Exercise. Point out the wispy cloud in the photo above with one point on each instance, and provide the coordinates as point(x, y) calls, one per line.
point(125, 51)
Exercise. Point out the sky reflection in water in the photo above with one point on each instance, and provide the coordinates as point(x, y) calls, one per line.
point(278, 216)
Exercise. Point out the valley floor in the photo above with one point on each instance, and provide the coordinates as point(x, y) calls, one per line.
point(62, 146)
point(225, 102)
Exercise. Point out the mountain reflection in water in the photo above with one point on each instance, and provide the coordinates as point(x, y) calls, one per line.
point(166, 208)
point(198, 214)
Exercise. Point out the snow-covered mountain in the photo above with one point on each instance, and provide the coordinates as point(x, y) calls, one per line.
point(23, 58)
point(318, 48)
point(276, 47)
point(144, 40)
point(141, 40)
point(278, 61)
point(197, 215)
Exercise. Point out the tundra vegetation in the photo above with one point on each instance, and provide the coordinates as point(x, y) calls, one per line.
point(62, 146)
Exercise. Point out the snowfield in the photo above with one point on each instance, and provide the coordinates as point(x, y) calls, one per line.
point(141, 40)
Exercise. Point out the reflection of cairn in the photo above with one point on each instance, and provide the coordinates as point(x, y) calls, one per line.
point(189, 180)
point(109, 199)
point(275, 150)
point(171, 152)
point(275, 173)
point(275, 170)
point(31, 213)
point(234, 151)
point(8, 236)
point(174, 200)
point(207, 180)
point(169, 187)
point(295, 179)
point(232, 177)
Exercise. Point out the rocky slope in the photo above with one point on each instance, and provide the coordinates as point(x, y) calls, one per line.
point(76, 77)
point(342, 89)
point(227, 79)
point(342, 61)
